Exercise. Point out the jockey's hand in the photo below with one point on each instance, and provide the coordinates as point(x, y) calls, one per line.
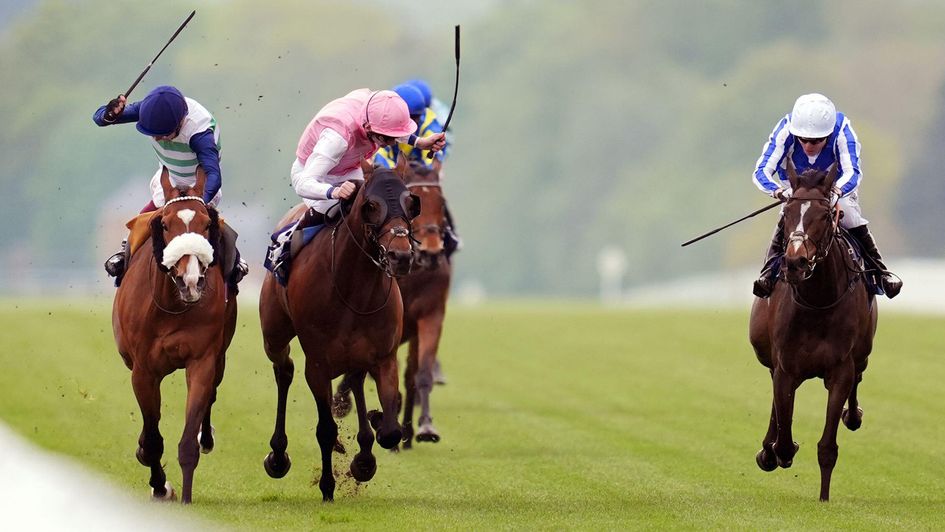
point(783, 194)
point(115, 108)
point(343, 191)
point(434, 143)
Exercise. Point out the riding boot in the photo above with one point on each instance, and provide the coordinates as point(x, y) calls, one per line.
point(889, 282)
point(451, 240)
point(116, 264)
point(764, 285)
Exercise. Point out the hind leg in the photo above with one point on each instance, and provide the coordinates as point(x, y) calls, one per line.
point(389, 432)
point(429, 330)
point(277, 333)
point(410, 392)
point(341, 401)
point(364, 465)
point(206, 435)
point(785, 447)
point(765, 457)
point(147, 388)
point(326, 431)
point(852, 416)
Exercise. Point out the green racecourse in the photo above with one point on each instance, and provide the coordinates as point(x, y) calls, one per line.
point(556, 416)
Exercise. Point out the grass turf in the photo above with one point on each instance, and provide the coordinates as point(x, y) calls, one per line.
point(555, 416)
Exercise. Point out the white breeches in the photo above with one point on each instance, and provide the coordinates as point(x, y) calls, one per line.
point(852, 217)
point(157, 191)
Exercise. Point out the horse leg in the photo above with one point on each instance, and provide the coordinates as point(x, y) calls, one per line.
point(364, 465)
point(784, 446)
point(839, 384)
point(206, 435)
point(765, 457)
point(410, 391)
point(341, 401)
point(389, 432)
point(853, 415)
point(428, 333)
point(147, 388)
point(277, 462)
point(326, 431)
point(201, 375)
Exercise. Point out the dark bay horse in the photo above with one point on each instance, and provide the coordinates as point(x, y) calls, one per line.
point(343, 303)
point(425, 291)
point(171, 313)
point(819, 323)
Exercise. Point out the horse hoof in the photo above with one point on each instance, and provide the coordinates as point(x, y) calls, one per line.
point(275, 468)
point(785, 463)
point(428, 433)
point(341, 404)
point(340, 447)
point(389, 441)
point(407, 444)
point(766, 461)
point(852, 422)
point(207, 446)
point(168, 496)
point(363, 467)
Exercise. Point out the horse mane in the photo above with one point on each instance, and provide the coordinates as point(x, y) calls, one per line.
point(811, 178)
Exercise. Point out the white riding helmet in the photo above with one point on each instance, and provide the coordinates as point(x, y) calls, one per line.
point(813, 117)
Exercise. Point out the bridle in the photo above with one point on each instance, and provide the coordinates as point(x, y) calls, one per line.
point(821, 251)
point(166, 271)
point(380, 261)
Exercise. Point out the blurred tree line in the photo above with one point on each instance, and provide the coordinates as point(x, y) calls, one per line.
point(579, 125)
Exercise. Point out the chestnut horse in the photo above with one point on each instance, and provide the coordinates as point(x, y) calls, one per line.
point(819, 323)
point(424, 292)
point(171, 313)
point(343, 303)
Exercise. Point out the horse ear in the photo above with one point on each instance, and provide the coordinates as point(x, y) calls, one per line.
point(198, 188)
point(169, 191)
point(413, 206)
point(831, 176)
point(437, 166)
point(792, 174)
point(367, 168)
point(157, 240)
point(214, 234)
point(401, 168)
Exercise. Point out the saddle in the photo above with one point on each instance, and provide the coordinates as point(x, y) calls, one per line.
point(288, 241)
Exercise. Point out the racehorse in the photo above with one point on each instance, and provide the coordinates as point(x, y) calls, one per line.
point(343, 303)
point(819, 323)
point(424, 292)
point(171, 312)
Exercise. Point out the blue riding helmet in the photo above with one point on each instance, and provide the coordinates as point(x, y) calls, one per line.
point(424, 89)
point(412, 96)
point(161, 111)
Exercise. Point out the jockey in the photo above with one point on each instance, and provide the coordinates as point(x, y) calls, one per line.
point(418, 97)
point(816, 136)
point(184, 135)
point(344, 133)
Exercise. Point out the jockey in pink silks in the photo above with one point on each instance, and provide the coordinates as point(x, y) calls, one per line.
point(344, 133)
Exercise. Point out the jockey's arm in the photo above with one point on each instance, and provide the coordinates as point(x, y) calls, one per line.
point(771, 155)
point(205, 146)
point(848, 159)
point(310, 182)
point(130, 114)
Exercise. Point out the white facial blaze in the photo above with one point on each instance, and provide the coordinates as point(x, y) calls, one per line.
point(800, 225)
point(186, 215)
point(192, 275)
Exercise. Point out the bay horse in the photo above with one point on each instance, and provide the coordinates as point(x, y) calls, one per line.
point(343, 303)
point(424, 291)
point(820, 322)
point(171, 312)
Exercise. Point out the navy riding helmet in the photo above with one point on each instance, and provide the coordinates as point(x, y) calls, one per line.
point(161, 111)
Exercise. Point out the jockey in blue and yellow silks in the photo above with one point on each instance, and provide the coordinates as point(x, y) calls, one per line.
point(815, 135)
point(428, 123)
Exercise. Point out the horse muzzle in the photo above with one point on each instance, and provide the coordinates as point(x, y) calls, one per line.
point(797, 269)
point(400, 262)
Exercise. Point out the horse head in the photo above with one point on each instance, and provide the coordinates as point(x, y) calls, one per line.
point(185, 234)
point(430, 226)
point(385, 208)
point(810, 222)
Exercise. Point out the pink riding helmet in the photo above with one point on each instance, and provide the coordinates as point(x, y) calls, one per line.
point(387, 113)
